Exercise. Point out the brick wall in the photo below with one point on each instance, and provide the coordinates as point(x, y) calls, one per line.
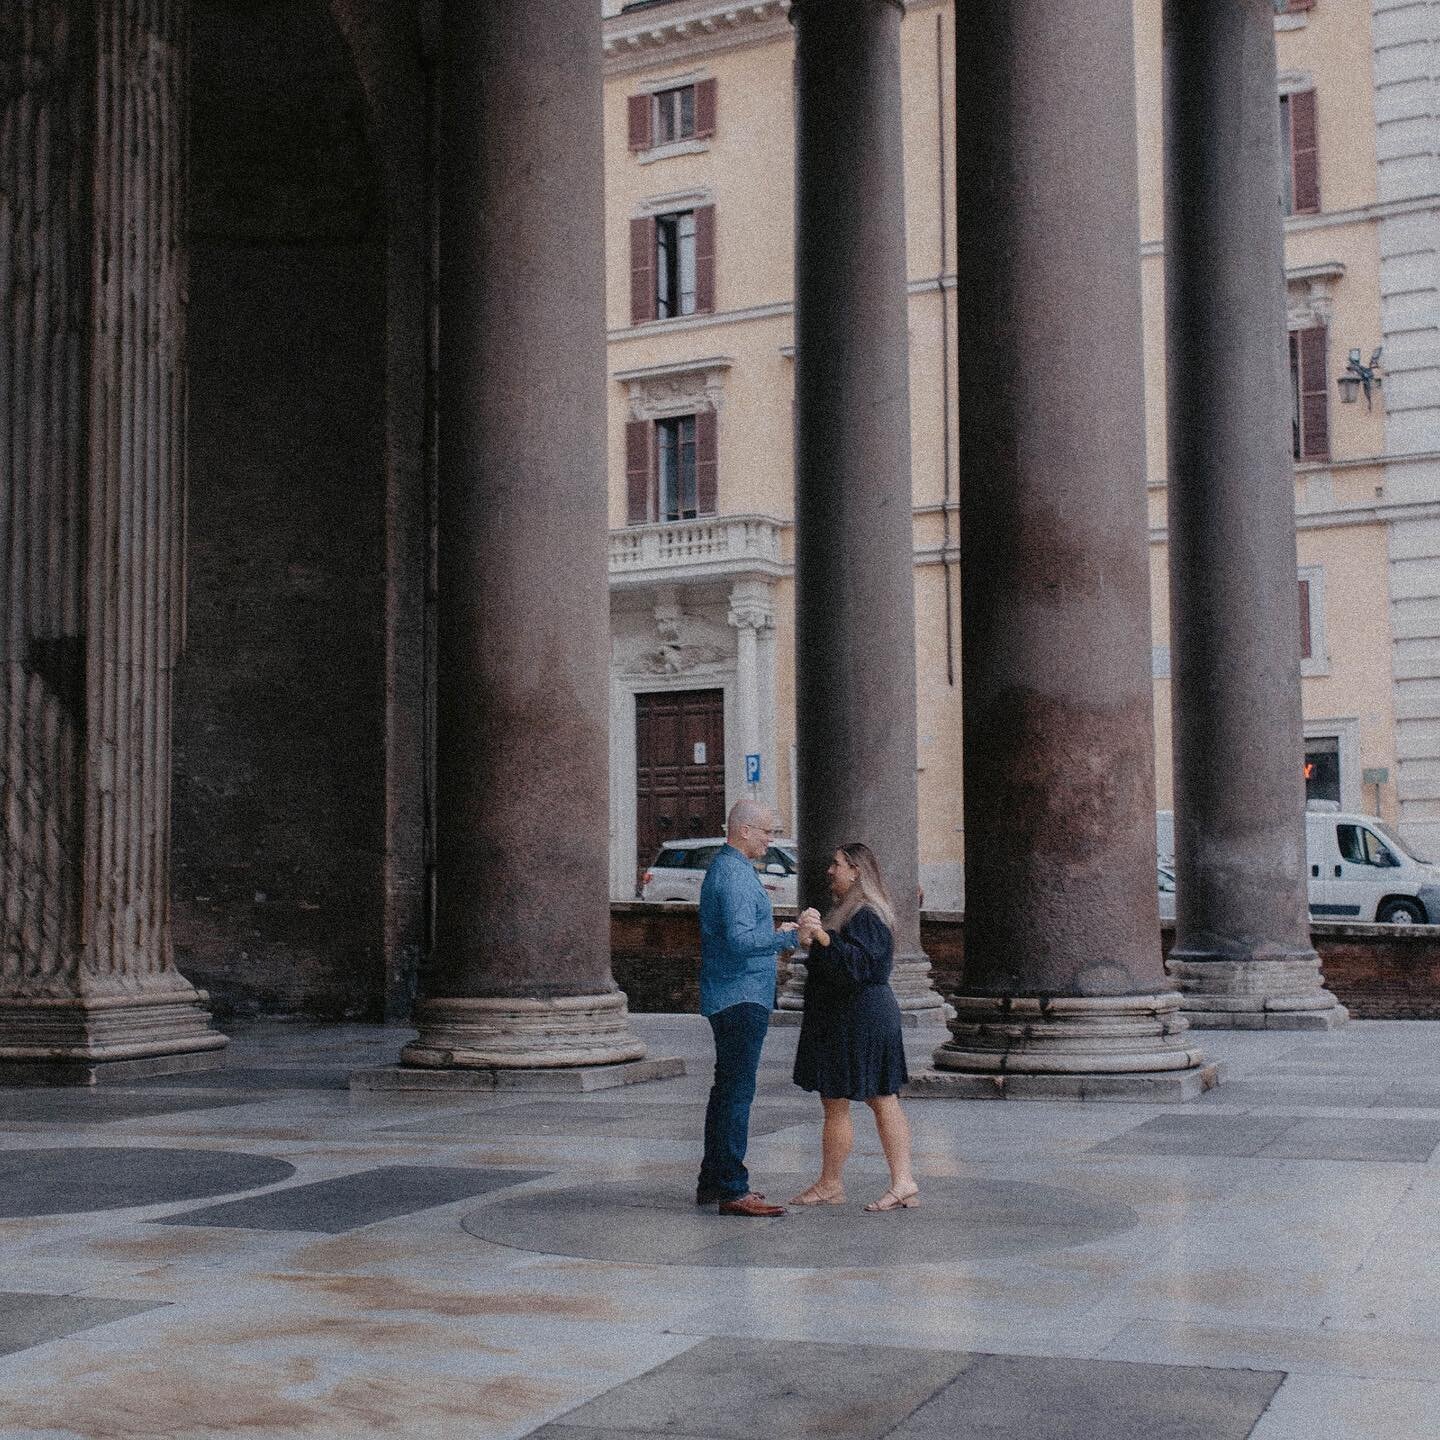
point(1380, 972)
point(278, 739)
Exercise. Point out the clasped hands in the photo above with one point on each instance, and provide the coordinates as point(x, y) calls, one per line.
point(807, 930)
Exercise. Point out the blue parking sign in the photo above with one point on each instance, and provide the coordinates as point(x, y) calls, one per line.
point(752, 769)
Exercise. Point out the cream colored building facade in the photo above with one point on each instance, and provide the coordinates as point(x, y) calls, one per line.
point(701, 432)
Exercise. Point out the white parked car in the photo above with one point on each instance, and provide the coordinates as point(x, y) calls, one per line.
point(678, 871)
point(1165, 883)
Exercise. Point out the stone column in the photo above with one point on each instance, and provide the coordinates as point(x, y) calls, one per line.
point(1242, 953)
point(521, 971)
point(1063, 992)
point(92, 450)
point(854, 535)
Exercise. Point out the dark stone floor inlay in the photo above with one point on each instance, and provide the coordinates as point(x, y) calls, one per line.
point(749, 1389)
point(957, 1219)
point(350, 1201)
point(66, 1181)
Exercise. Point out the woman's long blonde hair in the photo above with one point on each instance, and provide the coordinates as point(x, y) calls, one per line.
point(868, 889)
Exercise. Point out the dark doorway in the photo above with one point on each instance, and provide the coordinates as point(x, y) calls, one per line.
point(279, 716)
point(1322, 769)
point(680, 767)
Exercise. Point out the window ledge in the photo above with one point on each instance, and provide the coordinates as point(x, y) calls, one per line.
point(671, 149)
point(1316, 665)
point(1293, 21)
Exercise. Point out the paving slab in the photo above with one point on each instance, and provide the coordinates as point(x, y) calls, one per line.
point(27, 1319)
point(350, 1201)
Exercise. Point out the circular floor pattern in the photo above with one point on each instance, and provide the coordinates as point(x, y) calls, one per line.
point(958, 1220)
point(70, 1181)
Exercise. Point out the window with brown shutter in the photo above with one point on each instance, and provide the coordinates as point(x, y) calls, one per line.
point(670, 468)
point(705, 104)
point(1305, 642)
point(639, 111)
point(706, 462)
point(679, 278)
point(1310, 396)
point(705, 259)
point(642, 270)
point(1292, 6)
point(1300, 167)
point(638, 467)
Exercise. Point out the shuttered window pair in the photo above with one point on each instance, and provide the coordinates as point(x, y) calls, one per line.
point(1309, 395)
point(671, 468)
point(685, 112)
point(672, 265)
point(1300, 159)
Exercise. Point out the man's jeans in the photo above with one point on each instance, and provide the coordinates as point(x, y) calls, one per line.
point(739, 1034)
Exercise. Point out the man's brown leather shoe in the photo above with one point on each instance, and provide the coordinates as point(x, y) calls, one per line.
point(751, 1205)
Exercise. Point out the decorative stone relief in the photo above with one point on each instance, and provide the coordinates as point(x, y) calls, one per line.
point(675, 390)
point(1309, 294)
point(680, 644)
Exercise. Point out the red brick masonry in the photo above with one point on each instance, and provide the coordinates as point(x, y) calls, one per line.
point(1379, 972)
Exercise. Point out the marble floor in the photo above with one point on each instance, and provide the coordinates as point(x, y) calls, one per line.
point(258, 1252)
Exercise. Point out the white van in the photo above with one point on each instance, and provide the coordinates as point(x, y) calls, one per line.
point(1360, 869)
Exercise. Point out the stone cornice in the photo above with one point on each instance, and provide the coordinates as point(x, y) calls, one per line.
point(687, 28)
point(684, 29)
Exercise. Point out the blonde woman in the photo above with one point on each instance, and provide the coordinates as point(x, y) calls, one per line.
point(851, 1045)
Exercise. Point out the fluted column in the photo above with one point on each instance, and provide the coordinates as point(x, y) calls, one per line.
point(92, 454)
point(1242, 953)
point(854, 536)
point(1063, 987)
point(521, 971)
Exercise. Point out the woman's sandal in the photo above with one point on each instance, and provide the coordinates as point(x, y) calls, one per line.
point(893, 1200)
point(815, 1196)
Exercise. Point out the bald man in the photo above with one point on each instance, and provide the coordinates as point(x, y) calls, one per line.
point(738, 946)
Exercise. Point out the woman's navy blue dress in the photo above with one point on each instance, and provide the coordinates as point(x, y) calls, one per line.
point(850, 1038)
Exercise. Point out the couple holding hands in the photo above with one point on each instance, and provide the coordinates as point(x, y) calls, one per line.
point(850, 1038)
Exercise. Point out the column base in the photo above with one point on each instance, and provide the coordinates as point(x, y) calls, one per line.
point(573, 1080)
point(514, 1033)
point(1164, 1087)
point(933, 1018)
point(920, 1003)
point(1280, 994)
point(1077, 1036)
point(86, 1040)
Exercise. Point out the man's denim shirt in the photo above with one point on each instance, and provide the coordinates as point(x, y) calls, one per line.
point(738, 939)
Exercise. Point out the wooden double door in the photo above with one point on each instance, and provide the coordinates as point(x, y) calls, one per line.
point(680, 768)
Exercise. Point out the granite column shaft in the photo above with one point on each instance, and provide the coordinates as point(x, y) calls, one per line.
point(521, 971)
point(1242, 953)
point(854, 532)
point(1063, 973)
